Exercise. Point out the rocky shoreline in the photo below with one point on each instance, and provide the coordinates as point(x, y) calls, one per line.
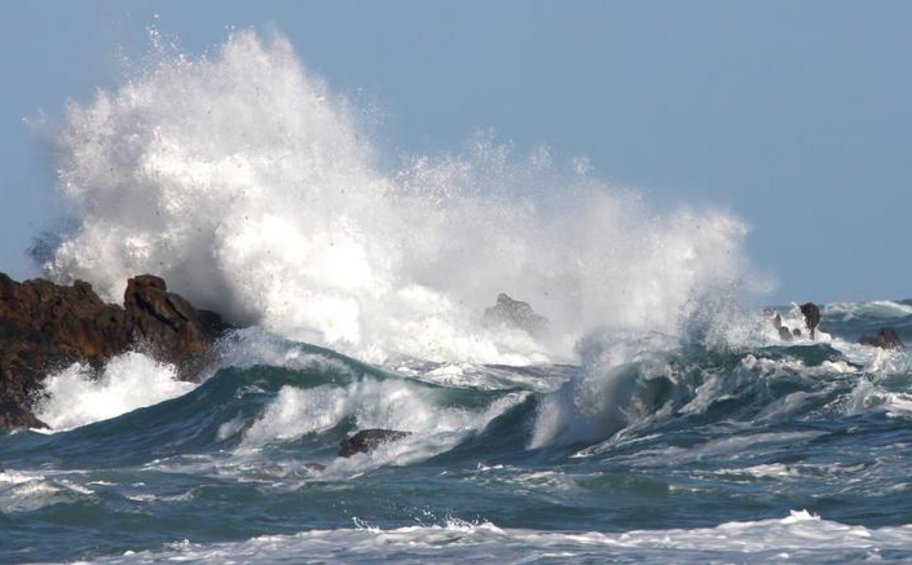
point(46, 327)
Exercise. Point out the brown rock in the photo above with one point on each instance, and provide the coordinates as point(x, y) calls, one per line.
point(44, 326)
point(73, 316)
point(169, 326)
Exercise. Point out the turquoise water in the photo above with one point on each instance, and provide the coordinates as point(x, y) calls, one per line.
point(686, 453)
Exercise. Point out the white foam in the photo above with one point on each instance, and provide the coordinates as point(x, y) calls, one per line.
point(27, 491)
point(731, 448)
point(478, 377)
point(874, 308)
point(388, 404)
point(76, 396)
point(255, 191)
point(775, 470)
point(801, 536)
point(605, 395)
point(252, 346)
point(870, 395)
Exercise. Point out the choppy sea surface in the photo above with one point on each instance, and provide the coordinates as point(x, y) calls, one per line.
point(657, 418)
point(685, 453)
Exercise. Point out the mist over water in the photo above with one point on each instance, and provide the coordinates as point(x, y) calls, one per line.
point(257, 191)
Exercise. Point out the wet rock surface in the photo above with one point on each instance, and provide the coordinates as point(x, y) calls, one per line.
point(45, 327)
point(811, 317)
point(367, 441)
point(886, 338)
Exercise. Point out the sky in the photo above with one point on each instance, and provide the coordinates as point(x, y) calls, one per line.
point(794, 116)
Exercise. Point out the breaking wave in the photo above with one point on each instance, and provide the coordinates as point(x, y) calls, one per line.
point(257, 191)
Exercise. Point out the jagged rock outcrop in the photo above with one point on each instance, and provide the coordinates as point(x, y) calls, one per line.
point(168, 326)
point(886, 338)
point(366, 441)
point(23, 352)
point(515, 313)
point(45, 326)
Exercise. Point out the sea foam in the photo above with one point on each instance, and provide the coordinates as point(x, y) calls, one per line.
point(800, 536)
point(76, 396)
point(389, 404)
point(257, 191)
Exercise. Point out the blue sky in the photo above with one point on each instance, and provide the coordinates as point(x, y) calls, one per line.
point(796, 116)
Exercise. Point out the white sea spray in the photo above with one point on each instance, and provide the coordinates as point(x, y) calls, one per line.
point(255, 190)
point(77, 396)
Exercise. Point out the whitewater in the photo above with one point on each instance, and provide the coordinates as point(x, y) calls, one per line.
point(659, 417)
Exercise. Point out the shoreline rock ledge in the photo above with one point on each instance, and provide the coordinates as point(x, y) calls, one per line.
point(46, 327)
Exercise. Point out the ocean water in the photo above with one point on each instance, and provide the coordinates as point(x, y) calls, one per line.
point(658, 419)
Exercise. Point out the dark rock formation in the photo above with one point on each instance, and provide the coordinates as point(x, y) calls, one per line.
point(366, 441)
point(886, 338)
point(811, 317)
point(168, 326)
point(23, 352)
point(517, 314)
point(44, 326)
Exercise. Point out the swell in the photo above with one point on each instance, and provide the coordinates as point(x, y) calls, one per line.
point(689, 437)
point(301, 411)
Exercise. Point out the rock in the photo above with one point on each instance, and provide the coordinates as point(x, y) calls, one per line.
point(44, 326)
point(811, 316)
point(886, 338)
point(24, 353)
point(517, 314)
point(73, 317)
point(366, 441)
point(169, 326)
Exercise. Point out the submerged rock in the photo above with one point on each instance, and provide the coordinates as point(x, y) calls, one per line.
point(315, 467)
point(366, 441)
point(886, 338)
point(515, 313)
point(45, 326)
